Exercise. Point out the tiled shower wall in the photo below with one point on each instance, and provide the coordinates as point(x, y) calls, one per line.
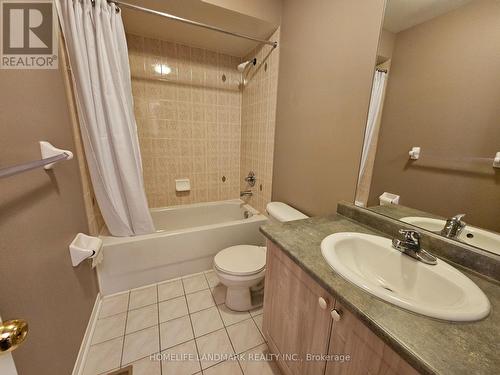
point(195, 122)
point(258, 117)
point(188, 112)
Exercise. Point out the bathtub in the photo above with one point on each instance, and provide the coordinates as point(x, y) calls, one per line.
point(186, 240)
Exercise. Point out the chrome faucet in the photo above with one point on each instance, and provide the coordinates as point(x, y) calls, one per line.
point(410, 245)
point(453, 226)
point(246, 193)
point(251, 179)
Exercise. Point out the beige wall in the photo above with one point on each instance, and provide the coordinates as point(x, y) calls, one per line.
point(268, 10)
point(258, 119)
point(40, 213)
point(188, 121)
point(444, 95)
point(327, 56)
point(385, 46)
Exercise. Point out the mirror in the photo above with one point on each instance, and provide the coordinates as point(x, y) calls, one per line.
point(433, 129)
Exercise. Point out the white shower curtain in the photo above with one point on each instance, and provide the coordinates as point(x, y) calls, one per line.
point(98, 56)
point(373, 113)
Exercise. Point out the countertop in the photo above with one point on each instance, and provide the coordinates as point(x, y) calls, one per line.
point(430, 346)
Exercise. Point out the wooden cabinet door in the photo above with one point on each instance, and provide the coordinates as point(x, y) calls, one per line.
point(294, 323)
point(369, 355)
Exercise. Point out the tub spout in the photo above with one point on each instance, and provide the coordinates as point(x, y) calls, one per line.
point(246, 193)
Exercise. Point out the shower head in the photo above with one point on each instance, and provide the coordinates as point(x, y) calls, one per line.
point(244, 65)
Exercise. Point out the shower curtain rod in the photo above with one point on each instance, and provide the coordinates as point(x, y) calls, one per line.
point(190, 22)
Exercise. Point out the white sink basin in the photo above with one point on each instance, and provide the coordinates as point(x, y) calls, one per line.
point(473, 236)
point(438, 291)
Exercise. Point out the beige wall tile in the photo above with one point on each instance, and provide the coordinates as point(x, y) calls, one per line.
point(258, 112)
point(186, 120)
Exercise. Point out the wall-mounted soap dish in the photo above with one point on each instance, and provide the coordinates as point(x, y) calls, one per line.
point(182, 184)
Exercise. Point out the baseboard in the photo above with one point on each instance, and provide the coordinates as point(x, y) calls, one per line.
point(84, 347)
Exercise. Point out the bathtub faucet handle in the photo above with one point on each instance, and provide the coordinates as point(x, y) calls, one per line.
point(251, 179)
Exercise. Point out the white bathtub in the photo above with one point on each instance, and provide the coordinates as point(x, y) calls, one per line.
point(186, 240)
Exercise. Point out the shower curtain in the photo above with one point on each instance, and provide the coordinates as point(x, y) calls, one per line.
point(97, 49)
point(373, 113)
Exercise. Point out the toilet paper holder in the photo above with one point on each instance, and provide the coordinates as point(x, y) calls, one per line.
point(84, 247)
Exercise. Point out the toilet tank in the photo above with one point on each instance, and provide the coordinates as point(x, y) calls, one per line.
point(282, 212)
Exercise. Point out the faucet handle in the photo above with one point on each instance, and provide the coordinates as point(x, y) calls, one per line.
point(410, 235)
point(458, 218)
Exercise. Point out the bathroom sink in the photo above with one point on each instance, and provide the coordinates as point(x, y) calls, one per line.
point(439, 291)
point(473, 236)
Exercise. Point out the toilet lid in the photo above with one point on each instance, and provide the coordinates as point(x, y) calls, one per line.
point(241, 259)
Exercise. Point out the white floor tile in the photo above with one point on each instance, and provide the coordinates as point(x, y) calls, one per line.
point(212, 278)
point(214, 348)
point(173, 308)
point(206, 321)
point(194, 283)
point(181, 360)
point(104, 357)
point(200, 300)
point(109, 328)
point(231, 317)
point(230, 367)
point(257, 361)
point(140, 344)
point(142, 297)
point(258, 320)
point(114, 305)
point(175, 332)
point(170, 289)
point(142, 318)
point(219, 293)
point(146, 366)
point(257, 311)
point(244, 335)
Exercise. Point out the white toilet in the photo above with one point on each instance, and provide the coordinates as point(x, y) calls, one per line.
point(242, 268)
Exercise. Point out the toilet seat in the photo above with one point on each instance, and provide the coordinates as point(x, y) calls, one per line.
point(241, 260)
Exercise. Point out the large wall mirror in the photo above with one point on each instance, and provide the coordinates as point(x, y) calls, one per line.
point(436, 91)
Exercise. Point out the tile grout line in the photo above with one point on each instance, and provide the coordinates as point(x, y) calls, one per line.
point(166, 321)
point(258, 329)
point(227, 333)
point(192, 329)
point(124, 330)
point(159, 331)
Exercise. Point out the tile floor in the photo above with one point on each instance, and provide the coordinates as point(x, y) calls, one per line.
point(179, 327)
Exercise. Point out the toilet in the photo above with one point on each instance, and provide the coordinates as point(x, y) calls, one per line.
point(242, 268)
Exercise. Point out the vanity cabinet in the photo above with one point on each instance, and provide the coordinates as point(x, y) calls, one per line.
point(300, 320)
point(295, 323)
point(369, 354)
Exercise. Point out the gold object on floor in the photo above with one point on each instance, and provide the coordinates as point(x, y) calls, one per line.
point(123, 371)
point(12, 334)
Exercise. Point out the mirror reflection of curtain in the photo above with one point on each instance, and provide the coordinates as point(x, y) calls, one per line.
point(371, 134)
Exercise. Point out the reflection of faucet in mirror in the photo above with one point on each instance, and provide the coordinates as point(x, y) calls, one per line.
point(456, 171)
point(453, 226)
point(410, 245)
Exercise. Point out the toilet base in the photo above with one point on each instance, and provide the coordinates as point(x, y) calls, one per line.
point(239, 299)
point(243, 299)
point(242, 290)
